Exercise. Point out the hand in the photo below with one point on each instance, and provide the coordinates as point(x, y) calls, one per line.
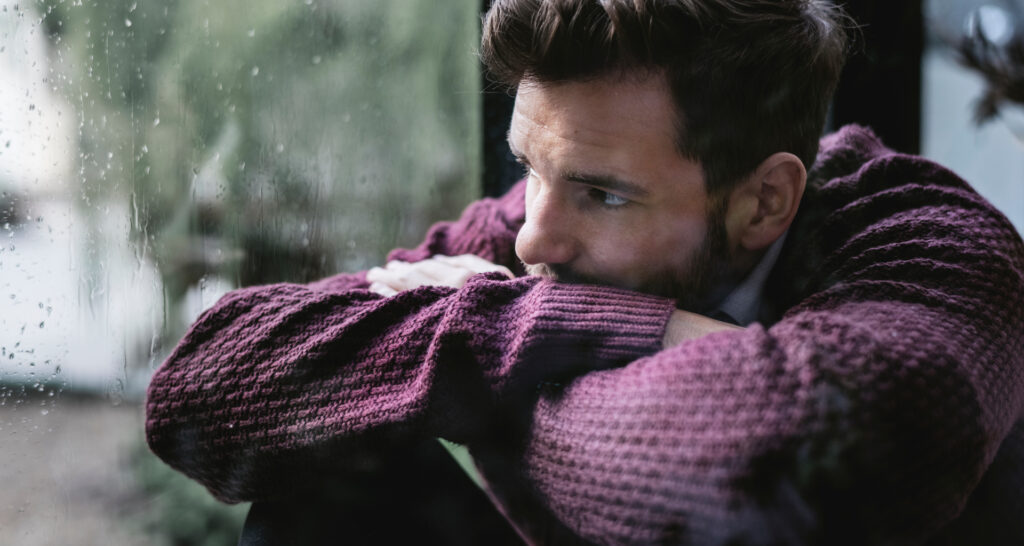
point(440, 270)
point(684, 326)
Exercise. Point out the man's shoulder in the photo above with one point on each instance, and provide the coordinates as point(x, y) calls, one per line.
point(865, 201)
point(854, 166)
point(853, 151)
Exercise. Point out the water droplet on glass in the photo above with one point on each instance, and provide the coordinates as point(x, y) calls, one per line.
point(316, 59)
point(252, 32)
point(156, 122)
point(45, 412)
point(128, 23)
point(255, 70)
point(280, 148)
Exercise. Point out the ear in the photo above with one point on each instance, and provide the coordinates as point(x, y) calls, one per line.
point(762, 207)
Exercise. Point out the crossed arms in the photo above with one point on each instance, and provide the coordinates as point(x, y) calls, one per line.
point(871, 408)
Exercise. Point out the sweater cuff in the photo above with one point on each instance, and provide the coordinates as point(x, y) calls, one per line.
point(614, 325)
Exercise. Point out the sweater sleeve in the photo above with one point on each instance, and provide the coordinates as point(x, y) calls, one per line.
point(865, 416)
point(275, 384)
point(271, 376)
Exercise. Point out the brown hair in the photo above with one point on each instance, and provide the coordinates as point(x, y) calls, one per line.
point(749, 77)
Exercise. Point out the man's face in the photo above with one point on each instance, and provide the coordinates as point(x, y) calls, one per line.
point(609, 199)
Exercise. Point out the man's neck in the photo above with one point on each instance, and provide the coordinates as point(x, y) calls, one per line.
point(741, 302)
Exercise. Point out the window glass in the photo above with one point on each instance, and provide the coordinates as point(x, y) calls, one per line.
point(990, 156)
point(154, 155)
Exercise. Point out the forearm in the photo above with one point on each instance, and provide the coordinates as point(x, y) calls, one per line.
point(818, 430)
point(276, 373)
point(686, 326)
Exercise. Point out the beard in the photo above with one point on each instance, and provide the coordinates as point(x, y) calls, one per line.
point(699, 287)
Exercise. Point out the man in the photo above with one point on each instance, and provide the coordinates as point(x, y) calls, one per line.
point(873, 377)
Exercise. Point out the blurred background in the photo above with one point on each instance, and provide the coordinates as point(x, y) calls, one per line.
point(154, 155)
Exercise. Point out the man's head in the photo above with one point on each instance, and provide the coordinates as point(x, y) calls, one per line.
point(737, 89)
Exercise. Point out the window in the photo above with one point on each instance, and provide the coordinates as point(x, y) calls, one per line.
point(154, 155)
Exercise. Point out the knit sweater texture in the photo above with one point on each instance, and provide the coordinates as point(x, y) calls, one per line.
point(867, 406)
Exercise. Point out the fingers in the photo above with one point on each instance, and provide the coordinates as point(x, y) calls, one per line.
point(397, 276)
point(383, 282)
point(439, 270)
point(382, 289)
point(427, 269)
point(473, 263)
point(425, 273)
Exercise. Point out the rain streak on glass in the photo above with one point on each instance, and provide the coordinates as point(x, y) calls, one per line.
point(155, 155)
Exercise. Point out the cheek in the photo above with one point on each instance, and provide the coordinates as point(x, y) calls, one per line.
point(683, 233)
point(663, 246)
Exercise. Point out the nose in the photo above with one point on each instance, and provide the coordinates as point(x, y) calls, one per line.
point(547, 236)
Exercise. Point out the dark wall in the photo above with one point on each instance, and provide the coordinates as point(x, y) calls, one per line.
point(501, 170)
point(881, 85)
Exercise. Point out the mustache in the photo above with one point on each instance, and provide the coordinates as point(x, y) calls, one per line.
point(560, 273)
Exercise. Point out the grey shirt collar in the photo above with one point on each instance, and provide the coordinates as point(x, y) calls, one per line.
point(744, 302)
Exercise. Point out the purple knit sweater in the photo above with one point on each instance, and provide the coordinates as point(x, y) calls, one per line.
point(867, 408)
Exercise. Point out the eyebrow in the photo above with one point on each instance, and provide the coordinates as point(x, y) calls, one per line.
point(605, 182)
point(608, 183)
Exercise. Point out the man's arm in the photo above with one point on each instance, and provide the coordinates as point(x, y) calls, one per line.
point(274, 383)
point(827, 427)
point(871, 409)
point(866, 415)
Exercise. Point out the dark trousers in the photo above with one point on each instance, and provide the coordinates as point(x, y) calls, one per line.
point(417, 495)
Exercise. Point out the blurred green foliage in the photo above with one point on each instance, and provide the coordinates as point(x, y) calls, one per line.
point(260, 141)
point(179, 511)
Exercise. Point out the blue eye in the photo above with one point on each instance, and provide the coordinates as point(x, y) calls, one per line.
point(613, 200)
point(609, 200)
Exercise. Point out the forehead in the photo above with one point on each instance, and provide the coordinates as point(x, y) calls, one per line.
point(600, 112)
point(611, 127)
